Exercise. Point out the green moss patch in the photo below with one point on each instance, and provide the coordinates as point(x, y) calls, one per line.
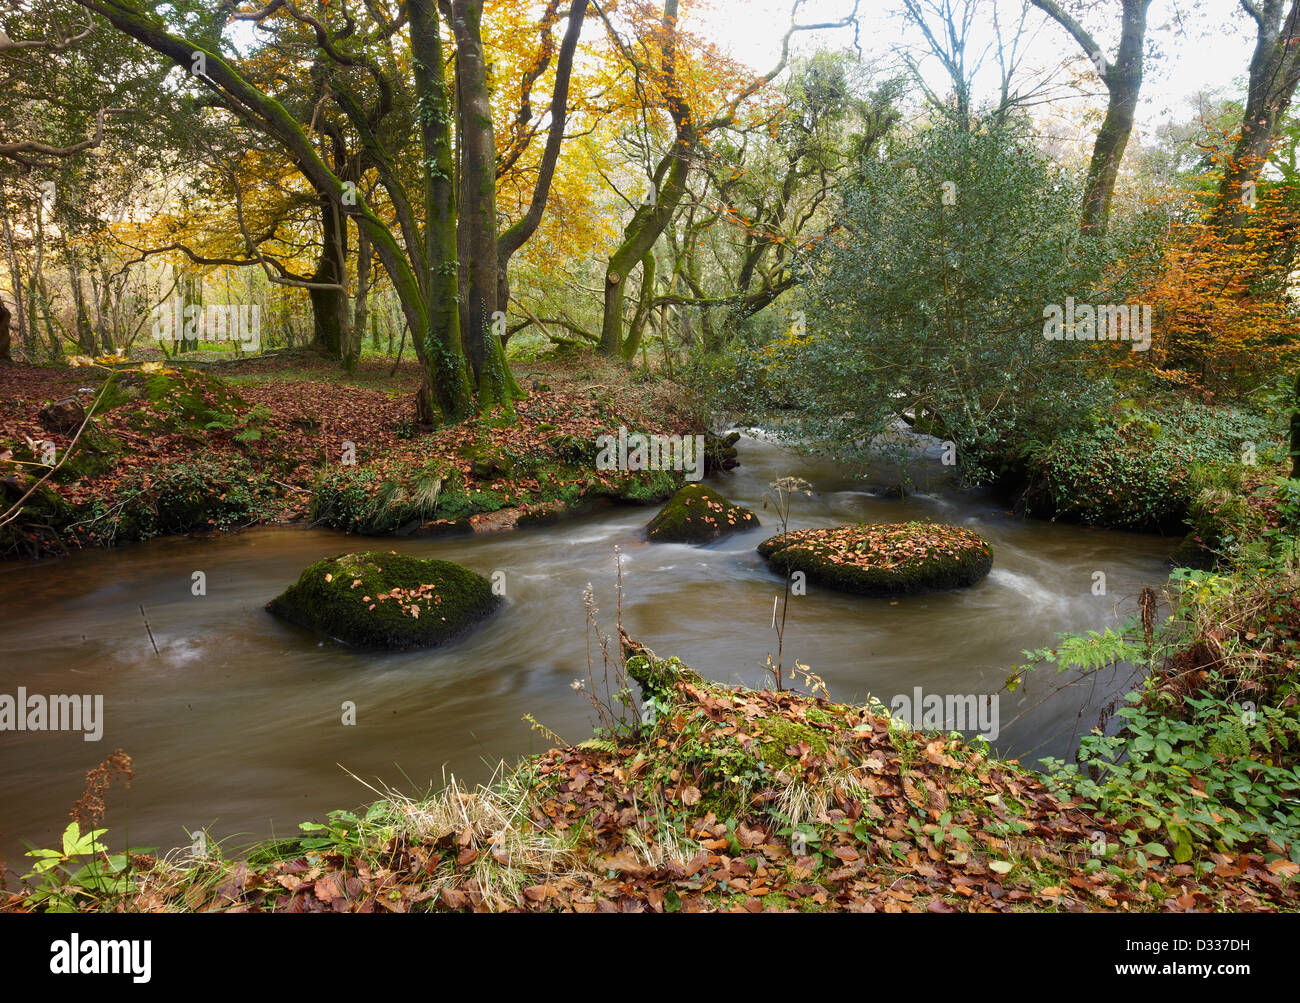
point(884, 560)
point(191, 399)
point(387, 600)
point(697, 514)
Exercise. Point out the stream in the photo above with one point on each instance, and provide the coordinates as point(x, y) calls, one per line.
point(236, 724)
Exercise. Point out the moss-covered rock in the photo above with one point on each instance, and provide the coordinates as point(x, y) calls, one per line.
point(698, 514)
point(884, 560)
point(386, 600)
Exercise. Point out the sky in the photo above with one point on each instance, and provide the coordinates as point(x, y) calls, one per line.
point(1207, 45)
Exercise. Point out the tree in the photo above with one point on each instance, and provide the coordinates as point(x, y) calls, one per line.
point(523, 229)
point(927, 304)
point(1274, 75)
point(1123, 80)
point(759, 200)
point(663, 83)
point(422, 266)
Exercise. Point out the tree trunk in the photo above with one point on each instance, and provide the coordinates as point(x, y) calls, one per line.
point(644, 302)
point(361, 308)
point(4, 333)
point(492, 377)
point(330, 306)
point(86, 342)
point(638, 240)
point(1123, 80)
point(437, 335)
point(15, 277)
point(1274, 74)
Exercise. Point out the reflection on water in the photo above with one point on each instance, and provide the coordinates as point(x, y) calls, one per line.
point(236, 724)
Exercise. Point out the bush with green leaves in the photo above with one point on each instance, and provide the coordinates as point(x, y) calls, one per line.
point(927, 302)
point(384, 497)
point(1222, 777)
point(1130, 466)
point(223, 493)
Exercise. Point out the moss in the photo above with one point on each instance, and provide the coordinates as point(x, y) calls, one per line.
point(574, 449)
point(779, 733)
point(725, 801)
point(657, 677)
point(646, 486)
point(386, 600)
point(191, 399)
point(884, 560)
point(697, 514)
point(487, 461)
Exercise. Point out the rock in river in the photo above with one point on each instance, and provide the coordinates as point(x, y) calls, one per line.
point(697, 514)
point(386, 600)
point(883, 560)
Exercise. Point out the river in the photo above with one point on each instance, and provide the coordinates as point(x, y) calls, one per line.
point(236, 724)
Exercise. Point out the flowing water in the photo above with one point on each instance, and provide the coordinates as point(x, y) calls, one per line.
point(236, 724)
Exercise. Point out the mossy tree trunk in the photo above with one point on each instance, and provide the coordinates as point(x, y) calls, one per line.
point(492, 377)
point(646, 298)
point(438, 334)
point(361, 307)
point(329, 301)
point(669, 186)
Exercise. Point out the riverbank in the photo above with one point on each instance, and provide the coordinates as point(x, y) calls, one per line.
point(732, 800)
point(289, 438)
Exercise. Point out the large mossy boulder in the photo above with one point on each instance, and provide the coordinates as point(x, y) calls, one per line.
point(697, 514)
point(386, 600)
point(884, 560)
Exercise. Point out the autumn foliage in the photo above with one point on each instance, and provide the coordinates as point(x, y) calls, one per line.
point(1219, 296)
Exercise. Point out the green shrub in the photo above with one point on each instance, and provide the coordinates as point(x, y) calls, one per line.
point(1131, 469)
point(1221, 778)
point(380, 499)
point(193, 496)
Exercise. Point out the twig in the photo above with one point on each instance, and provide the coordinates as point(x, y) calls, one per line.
point(149, 629)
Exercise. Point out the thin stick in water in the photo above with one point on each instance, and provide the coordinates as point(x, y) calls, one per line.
point(149, 629)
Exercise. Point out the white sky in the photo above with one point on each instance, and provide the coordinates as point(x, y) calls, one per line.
point(1200, 45)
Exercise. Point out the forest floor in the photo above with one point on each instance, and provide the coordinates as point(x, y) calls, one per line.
point(263, 434)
